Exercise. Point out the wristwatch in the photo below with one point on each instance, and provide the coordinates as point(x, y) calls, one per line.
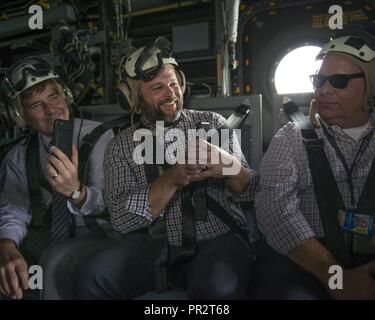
point(76, 193)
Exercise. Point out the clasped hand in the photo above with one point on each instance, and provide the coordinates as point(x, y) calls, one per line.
point(201, 161)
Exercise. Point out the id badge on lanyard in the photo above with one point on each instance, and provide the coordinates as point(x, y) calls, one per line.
point(359, 231)
point(352, 222)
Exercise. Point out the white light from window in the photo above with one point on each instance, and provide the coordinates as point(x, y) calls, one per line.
point(292, 73)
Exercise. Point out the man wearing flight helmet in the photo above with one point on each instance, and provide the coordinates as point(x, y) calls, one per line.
point(316, 198)
point(36, 97)
point(180, 249)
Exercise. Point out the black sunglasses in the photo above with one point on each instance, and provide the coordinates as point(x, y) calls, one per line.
point(338, 81)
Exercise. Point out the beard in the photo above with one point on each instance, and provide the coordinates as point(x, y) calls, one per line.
point(153, 115)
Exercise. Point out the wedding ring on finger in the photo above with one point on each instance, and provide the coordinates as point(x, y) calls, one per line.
point(55, 176)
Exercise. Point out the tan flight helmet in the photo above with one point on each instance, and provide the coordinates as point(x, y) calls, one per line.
point(357, 43)
point(23, 75)
point(144, 64)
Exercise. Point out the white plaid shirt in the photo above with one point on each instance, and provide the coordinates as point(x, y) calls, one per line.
point(127, 187)
point(286, 207)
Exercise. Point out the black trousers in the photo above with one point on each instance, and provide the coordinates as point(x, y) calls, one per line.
point(220, 270)
point(276, 277)
point(58, 262)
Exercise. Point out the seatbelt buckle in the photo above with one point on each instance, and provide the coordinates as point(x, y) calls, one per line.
point(203, 125)
point(206, 127)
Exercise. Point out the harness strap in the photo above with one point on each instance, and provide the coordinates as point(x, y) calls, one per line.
point(366, 202)
point(88, 144)
point(89, 141)
point(157, 230)
point(327, 196)
point(189, 236)
point(198, 194)
point(34, 173)
point(223, 215)
point(191, 212)
point(4, 148)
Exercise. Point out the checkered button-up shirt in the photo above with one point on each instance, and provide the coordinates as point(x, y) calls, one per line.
point(286, 207)
point(127, 187)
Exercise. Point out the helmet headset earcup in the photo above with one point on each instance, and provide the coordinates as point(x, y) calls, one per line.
point(68, 94)
point(125, 94)
point(181, 79)
point(14, 111)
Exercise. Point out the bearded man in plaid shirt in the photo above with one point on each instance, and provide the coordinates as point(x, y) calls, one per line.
point(163, 246)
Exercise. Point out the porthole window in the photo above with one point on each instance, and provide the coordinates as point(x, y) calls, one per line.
point(293, 71)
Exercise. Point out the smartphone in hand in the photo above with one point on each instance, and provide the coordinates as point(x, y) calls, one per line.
point(63, 136)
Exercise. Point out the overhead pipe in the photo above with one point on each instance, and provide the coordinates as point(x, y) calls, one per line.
point(232, 31)
point(169, 7)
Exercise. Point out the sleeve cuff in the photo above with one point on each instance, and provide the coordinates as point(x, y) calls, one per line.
point(89, 206)
point(12, 235)
point(248, 194)
point(288, 235)
point(135, 204)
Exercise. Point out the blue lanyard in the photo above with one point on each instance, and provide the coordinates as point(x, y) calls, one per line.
point(349, 171)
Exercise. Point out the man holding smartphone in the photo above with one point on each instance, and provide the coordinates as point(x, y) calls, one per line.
point(34, 172)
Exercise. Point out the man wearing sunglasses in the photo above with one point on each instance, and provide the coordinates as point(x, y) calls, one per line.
point(33, 172)
point(315, 202)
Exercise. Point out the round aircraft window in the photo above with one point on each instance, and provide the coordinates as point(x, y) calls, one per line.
point(293, 71)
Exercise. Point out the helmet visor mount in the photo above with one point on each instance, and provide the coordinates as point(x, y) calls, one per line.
point(23, 76)
point(144, 64)
point(348, 44)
